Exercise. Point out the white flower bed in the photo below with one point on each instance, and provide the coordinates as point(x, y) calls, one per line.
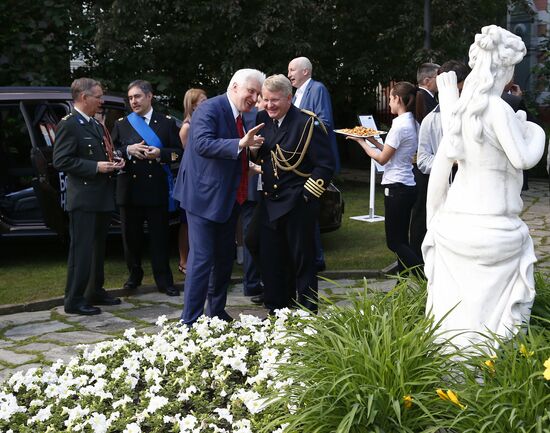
point(212, 378)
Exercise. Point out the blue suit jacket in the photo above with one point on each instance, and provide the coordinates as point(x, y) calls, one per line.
point(317, 99)
point(210, 173)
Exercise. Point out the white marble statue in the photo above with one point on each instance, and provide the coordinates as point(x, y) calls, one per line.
point(478, 253)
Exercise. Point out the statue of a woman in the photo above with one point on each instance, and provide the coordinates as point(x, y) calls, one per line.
point(478, 253)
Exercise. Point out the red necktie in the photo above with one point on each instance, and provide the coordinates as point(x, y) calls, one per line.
point(242, 191)
point(107, 142)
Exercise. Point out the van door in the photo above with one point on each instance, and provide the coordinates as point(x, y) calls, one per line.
point(42, 118)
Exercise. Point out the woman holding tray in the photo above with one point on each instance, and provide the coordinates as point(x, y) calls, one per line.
point(398, 180)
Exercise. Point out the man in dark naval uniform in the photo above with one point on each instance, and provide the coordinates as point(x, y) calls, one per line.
point(82, 152)
point(150, 142)
point(297, 166)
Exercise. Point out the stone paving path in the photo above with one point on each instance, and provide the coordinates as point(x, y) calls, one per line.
point(32, 339)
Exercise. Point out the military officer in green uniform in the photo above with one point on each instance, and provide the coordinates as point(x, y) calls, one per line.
point(80, 151)
point(297, 165)
point(150, 142)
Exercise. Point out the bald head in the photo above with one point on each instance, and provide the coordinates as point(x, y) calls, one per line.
point(299, 71)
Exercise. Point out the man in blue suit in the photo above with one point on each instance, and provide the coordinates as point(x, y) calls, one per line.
point(210, 189)
point(313, 96)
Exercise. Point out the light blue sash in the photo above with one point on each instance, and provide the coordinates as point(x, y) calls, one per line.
point(152, 139)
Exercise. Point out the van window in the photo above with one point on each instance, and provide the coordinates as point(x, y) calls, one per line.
point(17, 199)
point(15, 150)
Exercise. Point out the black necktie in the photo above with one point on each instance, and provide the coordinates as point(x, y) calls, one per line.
point(276, 123)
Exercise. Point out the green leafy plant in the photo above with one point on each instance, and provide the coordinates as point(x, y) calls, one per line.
point(541, 306)
point(506, 390)
point(374, 367)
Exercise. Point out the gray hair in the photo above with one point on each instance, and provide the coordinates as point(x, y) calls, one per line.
point(243, 76)
point(144, 86)
point(426, 70)
point(278, 83)
point(304, 63)
point(83, 85)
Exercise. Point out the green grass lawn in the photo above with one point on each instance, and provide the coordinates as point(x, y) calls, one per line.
point(358, 244)
point(35, 269)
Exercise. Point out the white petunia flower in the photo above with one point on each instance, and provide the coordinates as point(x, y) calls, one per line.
point(187, 423)
point(242, 426)
point(132, 428)
point(122, 402)
point(130, 333)
point(99, 423)
point(75, 414)
point(161, 320)
point(225, 414)
point(156, 403)
point(41, 416)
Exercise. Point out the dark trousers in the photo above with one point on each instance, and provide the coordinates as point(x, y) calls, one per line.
point(85, 275)
point(398, 202)
point(418, 214)
point(211, 246)
point(287, 255)
point(133, 218)
point(252, 283)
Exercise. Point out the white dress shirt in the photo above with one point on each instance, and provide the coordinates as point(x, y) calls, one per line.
point(300, 93)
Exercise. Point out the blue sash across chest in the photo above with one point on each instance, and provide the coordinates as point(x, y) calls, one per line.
point(152, 139)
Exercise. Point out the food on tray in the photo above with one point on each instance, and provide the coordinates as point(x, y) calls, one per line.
point(360, 131)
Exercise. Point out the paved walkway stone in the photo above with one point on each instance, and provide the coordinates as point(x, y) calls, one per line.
point(7, 372)
point(37, 347)
point(23, 332)
point(75, 337)
point(151, 313)
point(21, 319)
point(65, 353)
point(15, 358)
point(105, 322)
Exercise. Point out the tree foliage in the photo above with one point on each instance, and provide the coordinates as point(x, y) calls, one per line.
point(34, 42)
point(354, 45)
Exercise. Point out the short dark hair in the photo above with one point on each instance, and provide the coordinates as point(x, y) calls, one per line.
point(461, 70)
point(83, 85)
point(145, 86)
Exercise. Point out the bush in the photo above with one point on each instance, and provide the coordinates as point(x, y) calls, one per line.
point(506, 391)
point(541, 306)
point(374, 367)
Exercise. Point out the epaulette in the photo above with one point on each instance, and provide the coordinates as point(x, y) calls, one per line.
point(67, 116)
point(316, 120)
point(309, 113)
point(168, 117)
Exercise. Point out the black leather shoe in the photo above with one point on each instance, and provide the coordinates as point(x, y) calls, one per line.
point(259, 300)
point(225, 317)
point(106, 300)
point(131, 285)
point(171, 291)
point(84, 310)
point(255, 292)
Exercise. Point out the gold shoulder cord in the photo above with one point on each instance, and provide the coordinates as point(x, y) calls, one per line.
point(280, 161)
